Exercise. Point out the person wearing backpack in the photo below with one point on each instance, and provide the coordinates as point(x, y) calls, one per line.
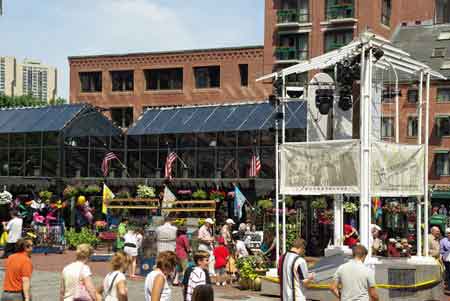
point(114, 286)
point(293, 272)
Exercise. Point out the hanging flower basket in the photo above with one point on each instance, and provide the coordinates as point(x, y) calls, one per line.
point(319, 203)
point(145, 192)
point(350, 207)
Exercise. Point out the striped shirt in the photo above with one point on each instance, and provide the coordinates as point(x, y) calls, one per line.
point(295, 270)
point(197, 277)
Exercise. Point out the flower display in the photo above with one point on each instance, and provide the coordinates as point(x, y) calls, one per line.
point(145, 192)
point(350, 207)
point(217, 195)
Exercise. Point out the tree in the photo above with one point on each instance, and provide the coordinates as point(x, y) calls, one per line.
point(27, 101)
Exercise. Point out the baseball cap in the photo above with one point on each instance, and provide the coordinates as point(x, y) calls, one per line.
point(230, 221)
point(209, 221)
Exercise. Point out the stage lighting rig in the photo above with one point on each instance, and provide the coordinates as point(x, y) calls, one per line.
point(324, 100)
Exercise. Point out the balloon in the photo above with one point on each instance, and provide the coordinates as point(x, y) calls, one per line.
point(81, 200)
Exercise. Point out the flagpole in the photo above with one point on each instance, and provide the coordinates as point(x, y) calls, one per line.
point(184, 164)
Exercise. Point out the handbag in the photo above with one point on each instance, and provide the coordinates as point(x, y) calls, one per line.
point(80, 291)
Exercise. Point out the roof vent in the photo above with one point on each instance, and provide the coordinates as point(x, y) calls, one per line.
point(445, 65)
point(444, 35)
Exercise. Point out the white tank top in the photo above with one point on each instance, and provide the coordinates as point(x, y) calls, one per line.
point(149, 280)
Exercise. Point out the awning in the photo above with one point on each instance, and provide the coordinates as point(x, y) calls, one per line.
point(218, 118)
point(440, 195)
point(440, 151)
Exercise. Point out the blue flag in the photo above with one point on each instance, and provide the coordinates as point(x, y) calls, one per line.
point(239, 200)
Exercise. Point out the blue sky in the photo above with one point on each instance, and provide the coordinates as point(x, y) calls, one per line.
point(52, 30)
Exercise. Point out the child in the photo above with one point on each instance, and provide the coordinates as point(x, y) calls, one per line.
point(198, 275)
point(221, 254)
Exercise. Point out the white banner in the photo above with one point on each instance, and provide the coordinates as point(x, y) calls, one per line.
point(397, 169)
point(329, 167)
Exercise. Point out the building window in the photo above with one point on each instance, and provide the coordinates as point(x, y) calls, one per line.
point(442, 11)
point(122, 80)
point(243, 72)
point(292, 47)
point(443, 126)
point(293, 11)
point(164, 79)
point(91, 81)
point(122, 117)
point(443, 94)
point(339, 9)
point(439, 52)
point(413, 126)
point(386, 8)
point(387, 127)
point(442, 161)
point(413, 95)
point(207, 77)
point(336, 39)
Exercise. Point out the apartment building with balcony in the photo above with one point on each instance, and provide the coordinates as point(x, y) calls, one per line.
point(127, 84)
point(30, 77)
point(296, 30)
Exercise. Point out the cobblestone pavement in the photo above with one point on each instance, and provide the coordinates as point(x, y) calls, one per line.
point(46, 280)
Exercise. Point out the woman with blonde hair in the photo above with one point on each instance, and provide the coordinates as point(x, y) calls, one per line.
point(77, 274)
point(114, 286)
point(156, 283)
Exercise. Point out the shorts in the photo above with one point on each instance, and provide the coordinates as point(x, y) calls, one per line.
point(133, 252)
point(220, 271)
point(12, 296)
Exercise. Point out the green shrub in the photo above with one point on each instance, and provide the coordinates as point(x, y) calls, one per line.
point(199, 194)
point(145, 192)
point(85, 236)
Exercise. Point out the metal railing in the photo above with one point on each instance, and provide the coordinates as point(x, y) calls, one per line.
point(340, 11)
point(333, 46)
point(291, 53)
point(285, 16)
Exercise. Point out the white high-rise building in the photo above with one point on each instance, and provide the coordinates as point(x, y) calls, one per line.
point(28, 78)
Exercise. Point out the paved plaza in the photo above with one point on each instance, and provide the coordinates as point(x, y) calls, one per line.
point(46, 281)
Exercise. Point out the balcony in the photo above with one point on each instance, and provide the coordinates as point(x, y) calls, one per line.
point(343, 12)
point(285, 55)
point(292, 17)
point(334, 46)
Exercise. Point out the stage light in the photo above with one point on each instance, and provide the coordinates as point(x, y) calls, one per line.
point(278, 87)
point(378, 53)
point(274, 100)
point(294, 92)
point(345, 102)
point(324, 100)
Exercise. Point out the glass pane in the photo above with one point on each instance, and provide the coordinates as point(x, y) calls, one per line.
point(133, 164)
point(4, 162)
point(50, 138)
point(149, 163)
point(188, 157)
point(295, 135)
point(267, 138)
point(248, 138)
point(99, 142)
point(50, 160)
point(117, 142)
point(133, 142)
point(33, 139)
point(76, 162)
point(227, 139)
point(96, 159)
point(16, 157)
point(244, 156)
point(77, 141)
point(226, 162)
point(207, 139)
point(168, 140)
point(206, 168)
point(17, 139)
point(150, 141)
point(115, 167)
point(186, 140)
point(267, 163)
point(33, 162)
point(4, 140)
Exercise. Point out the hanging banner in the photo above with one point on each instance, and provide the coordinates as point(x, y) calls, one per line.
point(329, 167)
point(397, 169)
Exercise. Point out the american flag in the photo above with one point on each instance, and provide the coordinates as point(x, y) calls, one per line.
point(255, 166)
point(168, 166)
point(105, 163)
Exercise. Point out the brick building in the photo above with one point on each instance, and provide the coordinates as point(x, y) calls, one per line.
point(296, 30)
point(129, 83)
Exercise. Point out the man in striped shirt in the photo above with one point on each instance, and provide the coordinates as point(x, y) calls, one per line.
point(198, 275)
point(294, 273)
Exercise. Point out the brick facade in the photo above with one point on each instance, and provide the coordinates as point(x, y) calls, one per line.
point(228, 59)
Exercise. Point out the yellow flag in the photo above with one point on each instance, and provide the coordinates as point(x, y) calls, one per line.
point(107, 195)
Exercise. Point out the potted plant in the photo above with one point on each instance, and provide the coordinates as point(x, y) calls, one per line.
point(85, 236)
point(199, 194)
point(92, 189)
point(70, 192)
point(265, 204)
point(247, 269)
point(123, 194)
point(45, 195)
point(350, 207)
point(217, 195)
point(319, 203)
point(145, 192)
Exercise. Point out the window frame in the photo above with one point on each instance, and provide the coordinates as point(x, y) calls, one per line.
point(173, 75)
point(409, 95)
point(438, 125)
point(124, 111)
point(207, 72)
point(123, 80)
point(243, 73)
point(409, 121)
point(446, 162)
point(392, 128)
point(91, 83)
point(439, 89)
point(386, 12)
point(443, 49)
